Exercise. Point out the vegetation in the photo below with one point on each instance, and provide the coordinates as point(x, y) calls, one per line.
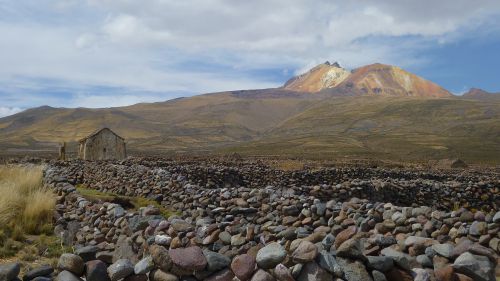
point(126, 201)
point(26, 209)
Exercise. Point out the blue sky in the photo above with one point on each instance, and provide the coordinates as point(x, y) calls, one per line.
point(103, 53)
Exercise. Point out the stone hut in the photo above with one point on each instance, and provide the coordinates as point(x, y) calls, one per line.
point(103, 144)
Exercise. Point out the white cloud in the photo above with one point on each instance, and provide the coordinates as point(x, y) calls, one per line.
point(198, 46)
point(6, 111)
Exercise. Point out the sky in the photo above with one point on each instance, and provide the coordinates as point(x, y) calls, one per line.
point(105, 53)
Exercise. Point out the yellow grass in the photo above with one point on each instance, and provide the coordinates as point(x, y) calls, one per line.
point(25, 205)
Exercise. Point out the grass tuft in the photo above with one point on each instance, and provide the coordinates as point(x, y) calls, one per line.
point(26, 206)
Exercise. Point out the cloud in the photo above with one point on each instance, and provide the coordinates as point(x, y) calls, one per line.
point(6, 111)
point(164, 48)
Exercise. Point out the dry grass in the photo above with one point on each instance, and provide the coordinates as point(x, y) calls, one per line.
point(26, 207)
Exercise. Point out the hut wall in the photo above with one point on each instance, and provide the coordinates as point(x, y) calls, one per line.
point(103, 146)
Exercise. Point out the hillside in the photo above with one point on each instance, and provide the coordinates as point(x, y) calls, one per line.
point(413, 121)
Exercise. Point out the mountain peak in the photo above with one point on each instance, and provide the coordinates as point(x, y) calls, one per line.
point(323, 76)
point(374, 79)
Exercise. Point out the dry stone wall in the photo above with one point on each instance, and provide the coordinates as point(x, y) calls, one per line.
point(250, 222)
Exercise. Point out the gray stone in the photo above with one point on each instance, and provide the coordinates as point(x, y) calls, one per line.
point(87, 253)
point(160, 275)
point(420, 274)
point(262, 275)
point(327, 261)
point(424, 260)
point(96, 270)
point(354, 270)
point(496, 217)
point(216, 261)
point(161, 258)
point(144, 266)
point(67, 276)
point(282, 273)
point(327, 242)
point(478, 228)
point(380, 263)
point(44, 270)
point(351, 248)
point(403, 260)
point(71, 263)
point(378, 276)
point(312, 272)
point(445, 250)
point(477, 267)
point(124, 250)
point(120, 269)
point(238, 240)
point(9, 271)
point(270, 256)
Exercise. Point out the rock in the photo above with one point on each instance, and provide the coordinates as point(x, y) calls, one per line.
point(378, 276)
point(124, 250)
point(445, 250)
point(327, 262)
point(71, 263)
point(9, 271)
point(144, 266)
point(305, 252)
point(478, 228)
point(445, 274)
point(396, 274)
point(42, 278)
point(105, 256)
point(424, 260)
point(401, 259)
point(223, 275)
point(163, 240)
point(216, 261)
point(380, 263)
point(351, 248)
point(420, 274)
point(243, 266)
point(282, 273)
point(354, 270)
point(161, 257)
point(270, 256)
point(312, 272)
point(496, 217)
point(96, 270)
point(120, 269)
point(262, 275)
point(134, 277)
point(138, 222)
point(344, 235)
point(67, 276)
point(160, 275)
point(87, 253)
point(238, 240)
point(190, 258)
point(42, 271)
point(477, 267)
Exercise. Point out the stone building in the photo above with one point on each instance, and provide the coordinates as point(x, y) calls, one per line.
point(103, 144)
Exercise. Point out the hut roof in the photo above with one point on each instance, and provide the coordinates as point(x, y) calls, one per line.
point(97, 132)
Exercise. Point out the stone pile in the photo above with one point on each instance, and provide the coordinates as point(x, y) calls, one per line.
point(234, 229)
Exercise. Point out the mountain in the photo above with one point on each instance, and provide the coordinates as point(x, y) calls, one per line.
point(304, 118)
point(375, 80)
point(475, 93)
point(320, 77)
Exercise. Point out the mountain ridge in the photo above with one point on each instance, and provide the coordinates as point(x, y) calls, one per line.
point(332, 122)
